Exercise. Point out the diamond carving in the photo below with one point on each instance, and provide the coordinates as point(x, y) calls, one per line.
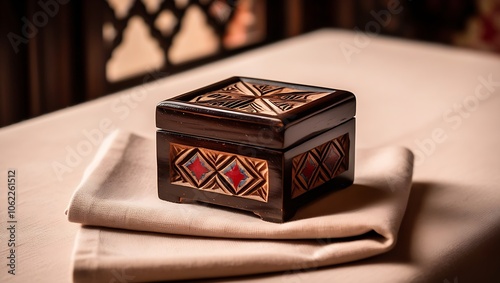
point(219, 172)
point(319, 165)
point(197, 167)
point(310, 167)
point(236, 175)
point(256, 98)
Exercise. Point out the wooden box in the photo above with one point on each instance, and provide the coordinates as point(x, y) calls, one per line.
point(257, 145)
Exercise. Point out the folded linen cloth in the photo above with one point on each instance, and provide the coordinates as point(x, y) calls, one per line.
point(118, 190)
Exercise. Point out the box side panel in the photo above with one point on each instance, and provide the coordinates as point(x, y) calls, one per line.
point(196, 169)
point(322, 121)
point(237, 128)
point(321, 165)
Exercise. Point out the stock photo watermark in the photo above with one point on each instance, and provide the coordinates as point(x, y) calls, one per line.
point(11, 224)
point(363, 38)
point(121, 276)
point(121, 108)
point(454, 117)
point(47, 9)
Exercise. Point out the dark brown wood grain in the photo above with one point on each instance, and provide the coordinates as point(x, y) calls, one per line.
point(308, 150)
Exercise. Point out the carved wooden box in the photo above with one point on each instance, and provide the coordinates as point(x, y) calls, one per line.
point(256, 145)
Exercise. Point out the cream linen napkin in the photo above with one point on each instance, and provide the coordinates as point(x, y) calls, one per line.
point(118, 190)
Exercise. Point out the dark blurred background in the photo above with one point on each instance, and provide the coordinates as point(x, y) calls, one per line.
point(57, 53)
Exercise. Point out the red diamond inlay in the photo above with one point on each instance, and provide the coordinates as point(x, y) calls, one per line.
point(308, 169)
point(197, 168)
point(235, 175)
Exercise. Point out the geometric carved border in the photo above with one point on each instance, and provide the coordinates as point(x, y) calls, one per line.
point(319, 165)
point(219, 172)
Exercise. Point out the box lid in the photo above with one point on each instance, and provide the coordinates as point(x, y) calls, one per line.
point(257, 112)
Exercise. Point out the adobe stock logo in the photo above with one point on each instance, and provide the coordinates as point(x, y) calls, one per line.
point(455, 116)
point(363, 39)
point(48, 9)
point(120, 109)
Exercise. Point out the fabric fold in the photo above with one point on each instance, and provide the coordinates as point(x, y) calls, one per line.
point(158, 240)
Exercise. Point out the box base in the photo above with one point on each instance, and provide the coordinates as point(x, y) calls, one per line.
point(272, 184)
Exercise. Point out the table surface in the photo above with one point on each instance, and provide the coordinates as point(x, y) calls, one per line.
point(442, 102)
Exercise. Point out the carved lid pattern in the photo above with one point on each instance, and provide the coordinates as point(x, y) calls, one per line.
point(258, 98)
